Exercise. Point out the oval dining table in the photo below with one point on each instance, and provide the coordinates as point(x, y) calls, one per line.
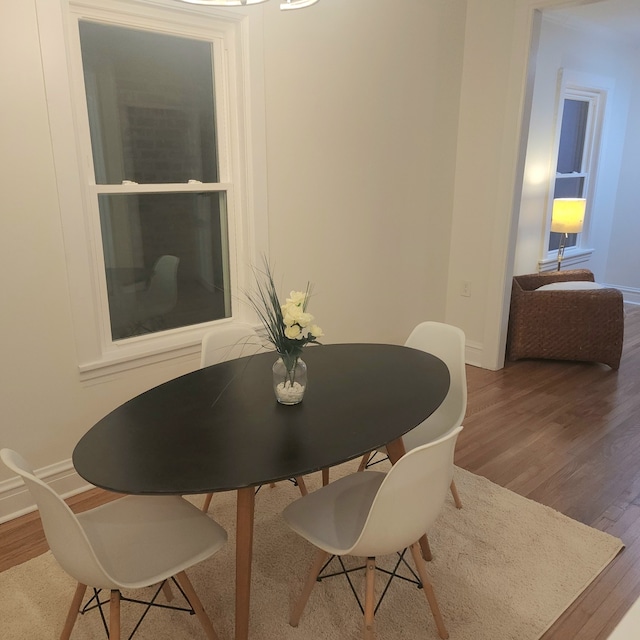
point(220, 428)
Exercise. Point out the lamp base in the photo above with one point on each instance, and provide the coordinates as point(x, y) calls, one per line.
point(563, 242)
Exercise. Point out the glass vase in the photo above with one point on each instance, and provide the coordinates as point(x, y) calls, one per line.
point(289, 380)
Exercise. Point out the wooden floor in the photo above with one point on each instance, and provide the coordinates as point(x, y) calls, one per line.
point(564, 434)
point(568, 435)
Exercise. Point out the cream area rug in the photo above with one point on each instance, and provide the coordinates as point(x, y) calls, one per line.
point(504, 568)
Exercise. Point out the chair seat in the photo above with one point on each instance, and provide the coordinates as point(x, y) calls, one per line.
point(141, 540)
point(332, 519)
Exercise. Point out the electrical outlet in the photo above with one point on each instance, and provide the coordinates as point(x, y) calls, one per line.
point(465, 289)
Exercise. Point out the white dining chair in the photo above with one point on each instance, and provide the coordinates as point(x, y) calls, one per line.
point(129, 543)
point(226, 343)
point(160, 297)
point(447, 343)
point(371, 514)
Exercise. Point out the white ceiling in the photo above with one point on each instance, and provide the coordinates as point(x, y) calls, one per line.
point(619, 16)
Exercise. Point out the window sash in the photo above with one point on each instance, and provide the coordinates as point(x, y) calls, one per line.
point(94, 189)
point(239, 66)
point(571, 90)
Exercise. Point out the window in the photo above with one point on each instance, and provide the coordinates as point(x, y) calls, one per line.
point(161, 186)
point(151, 111)
point(580, 114)
point(572, 167)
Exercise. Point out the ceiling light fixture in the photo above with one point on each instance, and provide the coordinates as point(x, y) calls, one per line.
point(296, 4)
point(285, 6)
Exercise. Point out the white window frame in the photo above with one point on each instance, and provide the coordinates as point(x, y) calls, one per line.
point(595, 90)
point(241, 127)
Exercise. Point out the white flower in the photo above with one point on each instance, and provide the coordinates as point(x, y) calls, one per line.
point(305, 319)
point(297, 298)
point(316, 331)
point(291, 314)
point(293, 332)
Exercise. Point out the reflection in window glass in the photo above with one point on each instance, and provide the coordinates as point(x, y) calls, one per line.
point(572, 136)
point(151, 105)
point(166, 260)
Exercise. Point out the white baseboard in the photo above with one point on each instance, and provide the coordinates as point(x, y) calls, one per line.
point(630, 295)
point(15, 499)
point(473, 354)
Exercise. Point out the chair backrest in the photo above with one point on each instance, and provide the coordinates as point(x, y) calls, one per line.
point(66, 537)
point(228, 343)
point(162, 294)
point(447, 343)
point(409, 499)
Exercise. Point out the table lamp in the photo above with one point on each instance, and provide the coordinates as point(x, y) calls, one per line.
point(567, 217)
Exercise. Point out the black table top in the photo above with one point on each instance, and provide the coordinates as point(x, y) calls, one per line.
point(221, 428)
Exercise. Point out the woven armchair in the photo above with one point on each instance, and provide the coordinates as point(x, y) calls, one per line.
point(585, 325)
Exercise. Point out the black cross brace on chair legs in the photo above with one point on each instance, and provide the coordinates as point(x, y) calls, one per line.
point(376, 458)
point(392, 574)
point(95, 602)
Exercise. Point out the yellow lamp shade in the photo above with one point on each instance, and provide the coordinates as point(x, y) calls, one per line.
point(568, 215)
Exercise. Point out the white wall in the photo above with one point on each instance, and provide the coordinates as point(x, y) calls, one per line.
point(361, 115)
point(488, 170)
point(596, 54)
point(623, 266)
point(362, 109)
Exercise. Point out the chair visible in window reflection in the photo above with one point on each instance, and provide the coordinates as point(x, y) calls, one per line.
point(447, 343)
point(129, 543)
point(372, 514)
point(229, 342)
point(160, 297)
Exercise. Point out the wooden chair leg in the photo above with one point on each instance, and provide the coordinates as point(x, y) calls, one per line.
point(301, 485)
point(428, 591)
point(369, 598)
point(425, 548)
point(114, 615)
point(207, 502)
point(318, 563)
point(325, 477)
point(456, 495)
point(192, 596)
point(74, 609)
point(363, 463)
point(166, 589)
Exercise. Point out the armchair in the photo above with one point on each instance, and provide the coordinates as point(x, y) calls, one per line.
point(584, 324)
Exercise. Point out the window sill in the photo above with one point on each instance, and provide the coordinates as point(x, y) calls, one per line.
point(571, 259)
point(145, 351)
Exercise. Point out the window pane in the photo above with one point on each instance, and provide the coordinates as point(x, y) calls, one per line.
point(569, 187)
point(166, 260)
point(572, 136)
point(151, 105)
point(554, 240)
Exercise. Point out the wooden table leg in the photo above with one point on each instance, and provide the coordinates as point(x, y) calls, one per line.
point(395, 450)
point(244, 552)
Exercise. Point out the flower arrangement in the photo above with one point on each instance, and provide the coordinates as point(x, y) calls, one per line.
point(289, 326)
